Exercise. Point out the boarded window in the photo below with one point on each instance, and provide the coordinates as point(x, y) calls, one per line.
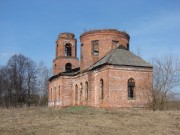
point(95, 47)
point(131, 85)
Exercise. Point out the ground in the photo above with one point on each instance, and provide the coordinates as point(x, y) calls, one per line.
point(87, 121)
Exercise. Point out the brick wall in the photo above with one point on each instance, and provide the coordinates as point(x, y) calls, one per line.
point(71, 90)
point(118, 87)
point(60, 62)
point(115, 88)
point(105, 38)
point(61, 59)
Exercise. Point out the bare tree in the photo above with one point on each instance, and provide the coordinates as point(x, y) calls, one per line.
point(22, 82)
point(30, 79)
point(43, 76)
point(6, 87)
point(22, 72)
point(17, 66)
point(145, 92)
point(166, 76)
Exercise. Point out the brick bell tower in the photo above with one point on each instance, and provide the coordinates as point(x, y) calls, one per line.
point(66, 58)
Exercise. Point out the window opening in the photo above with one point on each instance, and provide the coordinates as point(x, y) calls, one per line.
point(95, 47)
point(114, 44)
point(81, 92)
point(68, 49)
point(101, 89)
point(86, 91)
point(59, 92)
point(76, 93)
point(55, 94)
point(81, 50)
point(127, 46)
point(131, 85)
point(68, 67)
point(51, 94)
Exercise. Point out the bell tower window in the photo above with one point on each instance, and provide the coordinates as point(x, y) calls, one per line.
point(68, 67)
point(68, 49)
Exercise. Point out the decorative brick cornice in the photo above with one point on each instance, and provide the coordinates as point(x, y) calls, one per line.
point(64, 57)
point(105, 31)
point(66, 35)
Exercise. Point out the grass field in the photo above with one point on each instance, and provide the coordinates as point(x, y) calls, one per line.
point(87, 121)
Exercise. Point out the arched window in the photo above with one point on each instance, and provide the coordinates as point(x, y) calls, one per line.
point(86, 93)
point(68, 67)
point(55, 94)
point(101, 89)
point(51, 94)
point(59, 91)
point(81, 92)
point(81, 50)
point(95, 47)
point(131, 85)
point(114, 44)
point(68, 49)
point(76, 93)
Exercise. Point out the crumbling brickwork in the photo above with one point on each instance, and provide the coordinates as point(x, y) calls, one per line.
point(62, 56)
point(105, 39)
point(102, 80)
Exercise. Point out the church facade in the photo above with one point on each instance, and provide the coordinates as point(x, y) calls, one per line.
point(108, 75)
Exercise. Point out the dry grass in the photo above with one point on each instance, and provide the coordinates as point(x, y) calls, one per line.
point(88, 121)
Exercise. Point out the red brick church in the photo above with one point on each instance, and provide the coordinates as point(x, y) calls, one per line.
point(107, 75)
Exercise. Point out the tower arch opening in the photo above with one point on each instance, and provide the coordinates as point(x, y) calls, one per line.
point(68, 66)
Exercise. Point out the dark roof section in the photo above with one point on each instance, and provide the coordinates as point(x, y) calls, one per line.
point(72, 72)
point(121, 57)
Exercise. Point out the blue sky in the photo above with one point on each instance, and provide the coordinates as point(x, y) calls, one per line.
point(31, 27)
